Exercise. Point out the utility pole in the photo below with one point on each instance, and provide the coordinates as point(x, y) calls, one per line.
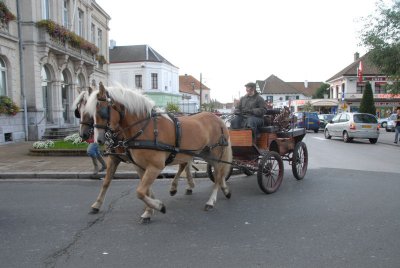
point(201, 94)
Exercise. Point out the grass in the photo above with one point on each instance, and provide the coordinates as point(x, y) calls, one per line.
point(66, 145)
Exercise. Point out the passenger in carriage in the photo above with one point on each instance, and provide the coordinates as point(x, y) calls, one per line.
point(250, 111)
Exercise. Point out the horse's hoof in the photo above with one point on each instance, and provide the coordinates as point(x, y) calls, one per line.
point(208, 207)
point(163, 209)
point(228, 195)
point(189, 192)
point(144, 220)
point(94, 211)
point(172, 193)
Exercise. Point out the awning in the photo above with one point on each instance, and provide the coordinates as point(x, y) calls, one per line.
point(325, 103)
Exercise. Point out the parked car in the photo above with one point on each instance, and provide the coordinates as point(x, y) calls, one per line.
point(307, 120)
point(383, 121)
point(351, 126)
point(391, 124)
point(324, 119)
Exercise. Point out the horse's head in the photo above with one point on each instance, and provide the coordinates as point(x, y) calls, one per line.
point(86, 121)
point(107, 114)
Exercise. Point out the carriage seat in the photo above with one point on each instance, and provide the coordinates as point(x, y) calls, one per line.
point(268, 129)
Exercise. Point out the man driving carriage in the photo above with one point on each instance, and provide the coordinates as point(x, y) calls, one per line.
point(250, 110)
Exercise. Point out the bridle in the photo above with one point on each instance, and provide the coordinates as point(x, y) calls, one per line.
point(113, 136)
point(77, 114)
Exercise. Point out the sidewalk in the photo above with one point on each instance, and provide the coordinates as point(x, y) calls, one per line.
point(15, 162)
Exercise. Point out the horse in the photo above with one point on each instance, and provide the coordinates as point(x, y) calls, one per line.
point(118, 154)
point(155, 139)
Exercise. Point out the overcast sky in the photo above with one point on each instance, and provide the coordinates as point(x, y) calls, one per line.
point(234, 42)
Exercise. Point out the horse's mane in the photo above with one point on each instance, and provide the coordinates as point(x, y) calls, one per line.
point(81, 96)
point(134, 101)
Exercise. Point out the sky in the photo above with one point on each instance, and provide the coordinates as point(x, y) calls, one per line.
point(232, 42)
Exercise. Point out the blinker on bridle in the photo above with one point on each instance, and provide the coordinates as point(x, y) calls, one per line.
point(104, 112)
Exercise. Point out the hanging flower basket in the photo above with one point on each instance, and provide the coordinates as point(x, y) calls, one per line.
point(5, 14)
point(7, 106)
point(101, 59)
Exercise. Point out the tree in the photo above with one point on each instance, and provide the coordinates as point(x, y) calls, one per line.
point(308, 107)
point(381, 35)
point(319, 94)
point(367, 104)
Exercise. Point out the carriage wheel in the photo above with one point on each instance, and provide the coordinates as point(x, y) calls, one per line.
point(300, 160)
point(270, 172)
point(210, 172)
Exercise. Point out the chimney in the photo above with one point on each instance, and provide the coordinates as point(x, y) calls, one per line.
point(113, 43)
point(356, 56)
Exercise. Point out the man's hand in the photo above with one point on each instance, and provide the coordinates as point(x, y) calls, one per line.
point(248, 111)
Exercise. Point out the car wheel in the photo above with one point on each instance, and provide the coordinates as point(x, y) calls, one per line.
point(316, 130)
point(373, 141)
point(387, 130)
point(346, 137)
point(326, 133)
point(383, 124)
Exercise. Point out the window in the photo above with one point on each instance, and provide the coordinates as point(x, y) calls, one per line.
point(270, 99)
point(206, 97)
point(138, 81)
point(344, 118)
point(80, 22)
point(287, 97)
point(45, 9)
point(297, 97)
point(360, 87)
point(154, 81)
point(380, 88)
point(93, 33)
point(100, 40)
point(3, 78)
point(66, 14)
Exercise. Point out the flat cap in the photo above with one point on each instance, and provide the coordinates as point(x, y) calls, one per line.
point(251, 84)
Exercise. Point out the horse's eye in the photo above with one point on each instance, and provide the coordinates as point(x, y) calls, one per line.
point(77, 114)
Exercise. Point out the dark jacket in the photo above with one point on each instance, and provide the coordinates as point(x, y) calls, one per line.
point(252, 105)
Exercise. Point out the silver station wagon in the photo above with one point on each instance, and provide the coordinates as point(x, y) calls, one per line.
point(351, 126)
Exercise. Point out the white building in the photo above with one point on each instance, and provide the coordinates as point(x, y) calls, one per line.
point(140, 67)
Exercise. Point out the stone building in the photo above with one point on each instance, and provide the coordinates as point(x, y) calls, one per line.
point(52, 51)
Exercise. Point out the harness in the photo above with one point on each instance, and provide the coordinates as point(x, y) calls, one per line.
point(132, 142)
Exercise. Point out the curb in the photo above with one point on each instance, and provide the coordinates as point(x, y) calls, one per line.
point(88, 175)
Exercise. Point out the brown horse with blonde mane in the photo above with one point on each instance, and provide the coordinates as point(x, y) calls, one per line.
point(117, 154)
point(155, 139)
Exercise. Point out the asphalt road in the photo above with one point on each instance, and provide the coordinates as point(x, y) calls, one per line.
point(345, 213)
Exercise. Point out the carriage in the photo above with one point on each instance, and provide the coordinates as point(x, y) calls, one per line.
point(152, 140)
point(278, 141)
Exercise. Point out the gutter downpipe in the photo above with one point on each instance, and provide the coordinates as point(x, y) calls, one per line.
point(21, 72)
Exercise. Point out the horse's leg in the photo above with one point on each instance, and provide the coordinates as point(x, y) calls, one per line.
point(220, 172)
point(112, 164)
point(143, 191)
point(148, 211)
point(189, 177)
point(174, 183)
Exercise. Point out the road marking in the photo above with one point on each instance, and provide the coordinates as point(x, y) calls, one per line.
point(319, 138)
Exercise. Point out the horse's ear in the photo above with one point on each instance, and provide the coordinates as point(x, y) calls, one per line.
point(102, 90)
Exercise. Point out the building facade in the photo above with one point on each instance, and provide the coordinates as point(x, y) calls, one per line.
point(64, 49)
point(348, 85)
point(278, 93)
point(140, 67)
